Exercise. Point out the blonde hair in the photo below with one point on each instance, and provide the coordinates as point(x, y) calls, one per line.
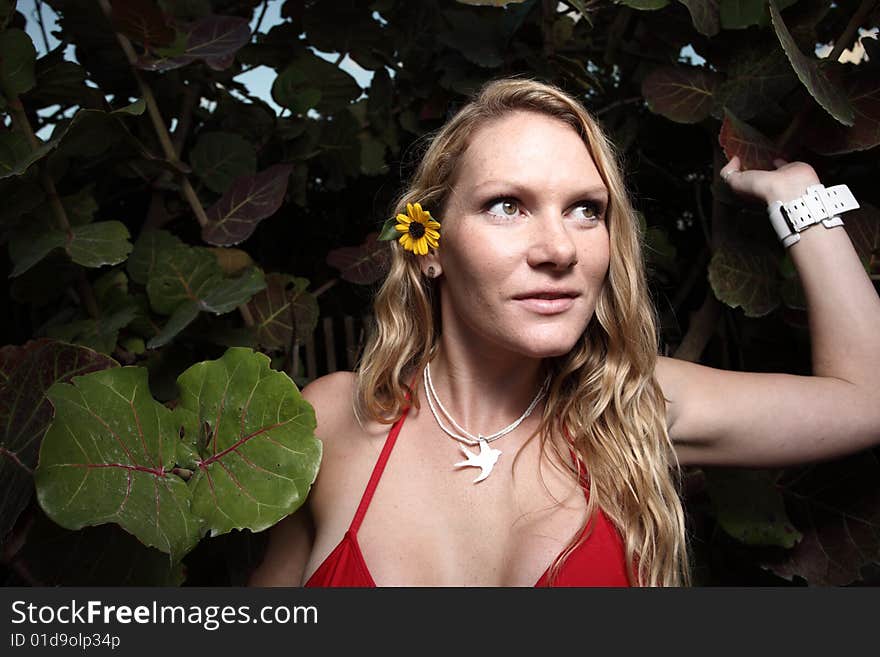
point(603, 393)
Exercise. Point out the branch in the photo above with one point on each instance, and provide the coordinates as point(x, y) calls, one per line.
point(38, 14)
point(260, 19)
point(156, 118)
point(700, 329)
point(851, 28)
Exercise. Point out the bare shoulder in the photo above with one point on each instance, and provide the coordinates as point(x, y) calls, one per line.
point(333, 398)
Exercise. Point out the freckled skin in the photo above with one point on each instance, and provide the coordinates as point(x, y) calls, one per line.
point(541, 240)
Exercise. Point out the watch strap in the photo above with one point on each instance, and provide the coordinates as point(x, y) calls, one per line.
point(817, 204)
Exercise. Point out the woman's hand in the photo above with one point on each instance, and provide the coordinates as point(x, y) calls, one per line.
point(787, 182)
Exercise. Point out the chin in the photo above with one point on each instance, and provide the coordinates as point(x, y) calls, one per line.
point(551, 346)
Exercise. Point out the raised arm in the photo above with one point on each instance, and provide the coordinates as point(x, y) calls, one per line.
point(718, 417)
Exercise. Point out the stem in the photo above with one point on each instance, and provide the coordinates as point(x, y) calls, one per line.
point(183, 473)
point(617, 103)
point(246, 315)
point(326, 286)
point(20, 120)
point(260, 19)
point(793, 127)
point(156, 118)
point(851, 28)
point(700, 329)
point(38, 14)
point(12, 456)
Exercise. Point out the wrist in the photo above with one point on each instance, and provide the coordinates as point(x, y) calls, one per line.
point(792, 216)
point(789, 190)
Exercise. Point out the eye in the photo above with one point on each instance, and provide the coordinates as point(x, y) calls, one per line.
point(506, 207)
point(592, 211)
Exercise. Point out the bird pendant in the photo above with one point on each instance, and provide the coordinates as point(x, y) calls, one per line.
point(485, 459)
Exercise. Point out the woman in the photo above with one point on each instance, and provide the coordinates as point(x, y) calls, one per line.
point(531, 319)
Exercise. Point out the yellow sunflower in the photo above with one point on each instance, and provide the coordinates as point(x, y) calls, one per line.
point(419, 229)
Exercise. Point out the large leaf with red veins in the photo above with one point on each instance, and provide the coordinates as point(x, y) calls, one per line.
point(810, 72)
point(26, 372)
point(284, 311)
point(681, 94)
point(213, 39)
point(837, 507)
point(251, 199)
point(364, 264)
point(257, 452)
point(109, 455)
point(754, 149)
point(829, 137)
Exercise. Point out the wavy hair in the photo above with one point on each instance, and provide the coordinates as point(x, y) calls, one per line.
point(603, 394)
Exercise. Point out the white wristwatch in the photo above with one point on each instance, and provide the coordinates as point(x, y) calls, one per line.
point(818, 204)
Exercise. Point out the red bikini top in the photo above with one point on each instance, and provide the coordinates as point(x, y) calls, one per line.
point(598, 561)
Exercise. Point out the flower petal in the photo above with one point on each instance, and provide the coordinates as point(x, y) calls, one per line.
point(403, 218)
point(432, 224)
point(402, 227)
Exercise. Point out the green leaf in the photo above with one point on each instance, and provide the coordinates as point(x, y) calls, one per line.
point(26, 372)
point(99, 334)
point(258, 452)
point(310, 81)
point(99, 244)
point(830, 137)
point(136, 108)
point(108, 457)
point(187, 280)
point(16, 154)
point(644, 5)
point(480, 40)
point(757, 79)
point(705, 15)
point(143, 258)
point(184, 315)
point(229, 293)
point(284, 311)
point(389, 231)
point(218, 158)
point(809, 70)
point(681, 94)
point(292, 89)
point(737, 14)
point(17, 60)
point(372, 156)
point(31, 246)
point(746, 277)
point(181, 274)
point(750, 507)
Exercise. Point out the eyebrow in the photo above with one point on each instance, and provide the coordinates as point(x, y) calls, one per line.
point(595, 190)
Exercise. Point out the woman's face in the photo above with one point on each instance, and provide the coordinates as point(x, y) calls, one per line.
point(524, 248)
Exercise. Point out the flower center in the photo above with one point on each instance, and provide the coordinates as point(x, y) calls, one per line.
point(416, 229)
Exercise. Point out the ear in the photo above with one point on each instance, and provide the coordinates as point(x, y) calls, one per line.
point(430, 266)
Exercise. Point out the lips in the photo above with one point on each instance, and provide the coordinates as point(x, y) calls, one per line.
point(547, 302)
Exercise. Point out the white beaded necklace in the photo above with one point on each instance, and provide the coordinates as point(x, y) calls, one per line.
point(487, 456)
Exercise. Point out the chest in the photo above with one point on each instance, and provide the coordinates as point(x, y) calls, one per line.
point(427, 524)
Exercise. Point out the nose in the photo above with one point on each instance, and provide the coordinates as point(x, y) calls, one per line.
point(552, 244)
